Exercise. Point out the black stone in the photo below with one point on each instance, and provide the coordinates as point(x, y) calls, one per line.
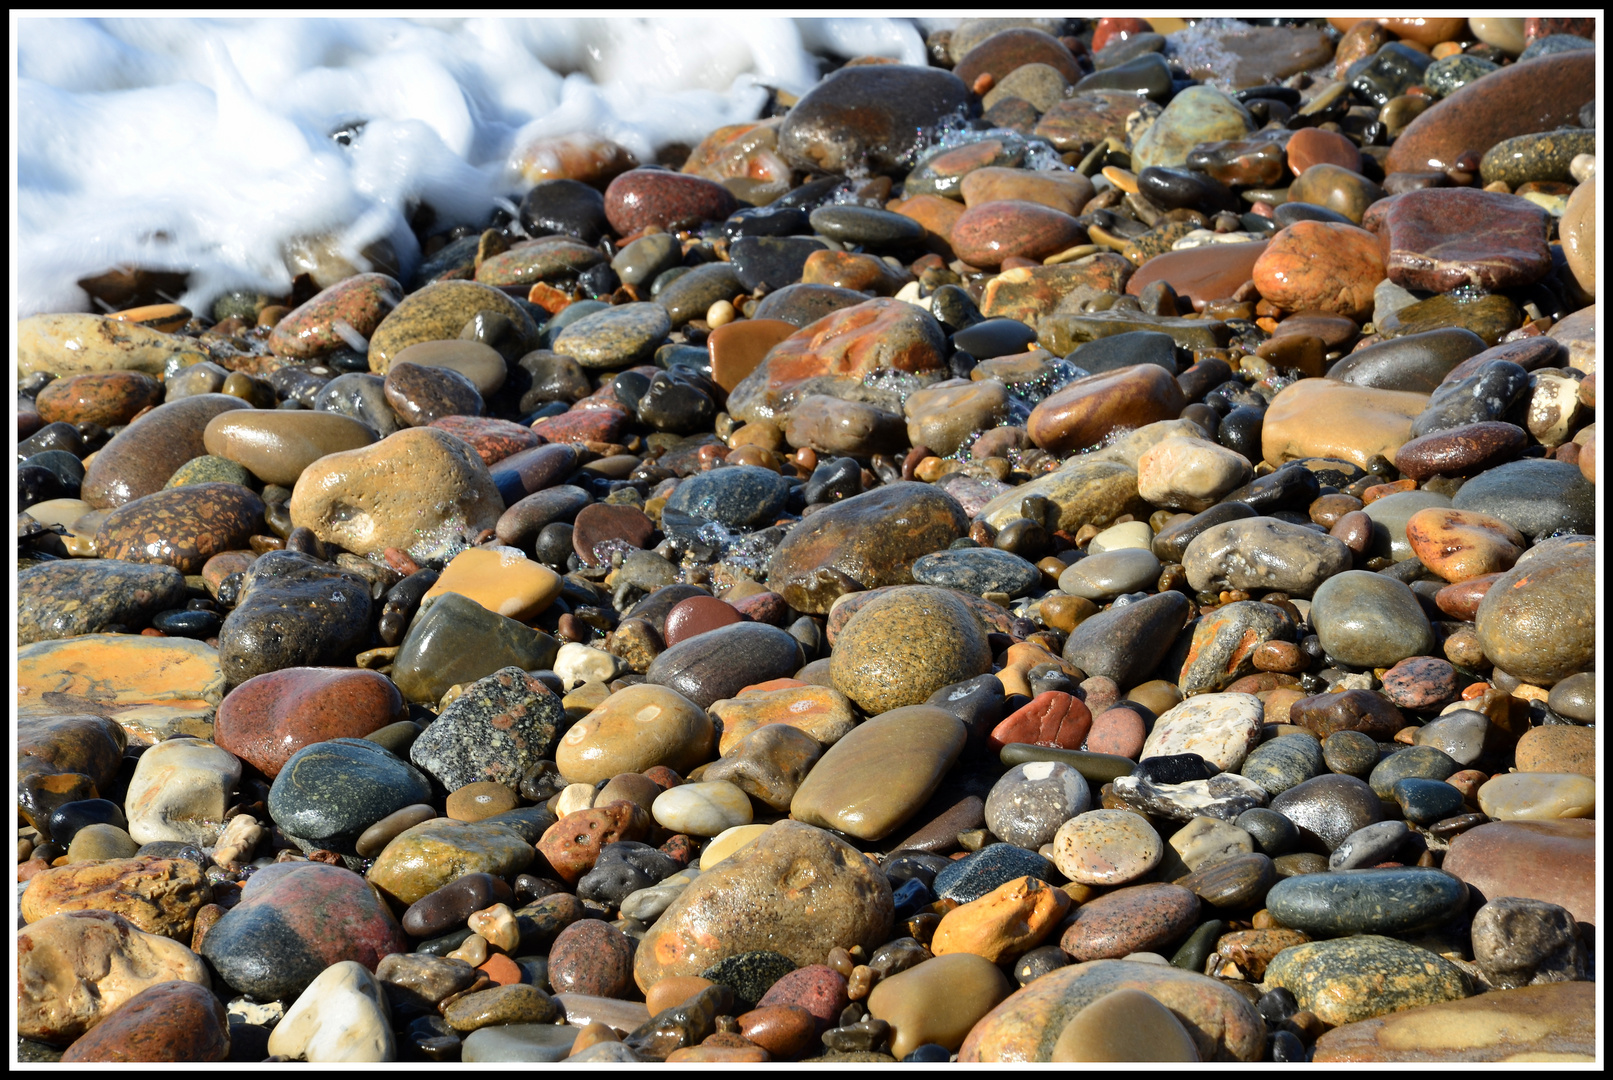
point(566, 207)
point(670, 405)
point(738, 496)
point(67, 819)
point(1538, 497)
point(1415, 362)
point(1125, 350)
point(1173, 769)
point(1126, 643)
point(770, 220)
point(329, 792)
point(749, 975)
point(1338, 904)
point(625, 867)
point(973, 876)
point(294, 611)
point(1148, 75)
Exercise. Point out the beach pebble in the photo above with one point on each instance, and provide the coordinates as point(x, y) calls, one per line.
point(342, 1016)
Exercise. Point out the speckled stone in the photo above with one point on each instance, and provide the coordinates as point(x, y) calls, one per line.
point(1031, 801)
point(293, 921)
point(1138, 918)
point(1106, 847)
point(181, 527)
point(904, 646)
point(1220, 728)
point(545, 259)
point(425, 857)
point(591, 957)
point(1330, 807)
point(421, 395)
point(1284, 762)
point(1357, 978)
point(107, 398)
point(1553, 1022)
point(330, 792)
point(361, 301)
point(971, 877)
point(739, 496)
point(750, 975)
point(210, 469)
point(615, 337)
point(160, 896)
point(1199, 114)
point(437, 313)
point(294, 611)
point(172, 1021)
point(1533, 621)
point(495, 730)
point(977, 571)
point(1223, 1024)
point(85, 596)
point(1396, 901)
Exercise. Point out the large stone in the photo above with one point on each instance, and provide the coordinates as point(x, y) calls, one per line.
point(330, 792)
point(1438, 240)
point(294, 611)
point(139, 459)
point(875, 778)
point(1199, 114)
point(1127, 642)
point(636, 728)
point(1357, 978)
point(1325, 418)
point(85, 596)
point(1553, 861)
point(1026, 1027)
point(456, 640)
point(422, 491)
point(179, 791)
point(343, 1016)
point(1263, 553)
point(1534, 622)
point(867, 117)
point(270, 717)
point(902, 647)
point(181, 527)
point(425, 857)
point(1556, 1022)
point(76, 968)
point(795, 890)
point(437, 313)
point(74, 344)
point(277, 444)
point(1082, 414)
point(169, 1022)
point(160, 896)
point(1370, 620)
point(118, 672)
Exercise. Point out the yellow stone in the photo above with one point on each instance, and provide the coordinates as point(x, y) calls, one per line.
point(500, 579)
point(937, 1001)
point(821, 711)
point(120, 671)
point(1553, 1022)
point(1326, 418)
point(635, 729)
point(1010, 920)
point(1125, 1025)
point(73, 344)
point(1538, 796)
point(727, 842)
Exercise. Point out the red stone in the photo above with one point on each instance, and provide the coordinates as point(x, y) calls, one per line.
point(784, 1031)
point(670, 200)
point(606, 524)
point(1314, 146)
point(989, 233)
point(268, 718)
point(1110, 30)
point(1052, 718)
point(582, 425)
point(1118, 731)
point(1201, 274)
point(171, 1021)
point(694, 616)
point(493, 440)
point(1461, 600)
point(817, 988)
point(1554, 861)
point(765, 607)
point(591, 957)
point(572, 844)
point(1438, 239)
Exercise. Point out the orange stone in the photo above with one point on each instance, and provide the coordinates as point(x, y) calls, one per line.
point(501, 969)
point(738, 348)
point(673, 991)
point(500, 579)
point(705, 1052)
point(936, 214)
point(1009, 920)
point(1088, 410)
point(820, 711)
point(854, 341)
point(863, 273)
point(1065, 192)
point(1321, 266)
point(1460, 545)
point(1051, 719)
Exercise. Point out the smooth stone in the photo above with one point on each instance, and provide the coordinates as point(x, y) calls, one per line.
point(179, 791)
point(1189, 474)
point(616, 337)
point(84, 596)
point(293, 611)
point(977, 571)
point(181, 527)
point(119, 672)
point(499, 727)
point(796, 890)
point(328, 793)
point(1366, 847)
point(1357, 978)
point(438, 312)
point(1420, 682)
point(591, 957)
point(1348, 751)
point(740, 497)
point(501, 580)
point(1438, 240)
point(425, 857)
point(702, 809)
point(1197, 115)
point(1223, 643)
point(721, 662)
point(937, 1001)
point(1126, 643)
point(1339, 904)
point(1083, 413)
point(946, 418)
point(1263, 553)
point(1533, 623)
point(856, 788)
point(521, 1042)
point(1369, 620)
point(1284, 762)
point(1109, 574)
point(1125, 1025)
point(691, 295)
point(277, 445)
point(295, 920)
point(139, 459)
point(1329, 808)
point(1106, 847)
point(1136, 918)
point(668, 200)
point(173, 1021)
point(1553, 1022)
point(78, 968)
point(1462, 736)
point(1468, 449)
point(1320, 266)
point(1558, 749)
point(1427, 801)
point(422, 395)
point(1551, 861)
point(834, 128)
point(1578, 232)
point(1032, 801)
point(363, 398)
point(342, 1016)
point(638, 728)
point(107, 398)
point(309, 331)
point(1325, 418)
point(990, 232)
point(1537, 796)
point(1222, 1023)
point(456, 640)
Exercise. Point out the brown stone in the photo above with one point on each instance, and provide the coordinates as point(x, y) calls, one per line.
point(572, 844)
point(1201, 274)
point(160, 896)
point(1320, 266)
point(1554, 861)
point(1462, 544)
point(600, 526)
point(104, 397)
point(1554, 1022)
point(1558, 749)
point(171, 1021)
point(1088, 410)
point(1437, 240)
point(1311, 146)
point(738, 348)
point(181, 527)
point(1137, 918)
point(1347, 710)
point(989, 233)
point(139, 459)
point(270, 717)
point(1327, 418)
point(1006, 50)
point(1065, 192)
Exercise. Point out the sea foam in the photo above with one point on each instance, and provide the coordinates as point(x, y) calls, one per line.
point(205, 145)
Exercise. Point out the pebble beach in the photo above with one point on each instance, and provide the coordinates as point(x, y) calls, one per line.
point(963, 540)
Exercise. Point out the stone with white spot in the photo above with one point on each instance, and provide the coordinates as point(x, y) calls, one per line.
point(342, 1017)
point(1224, 796)
point(1128, 534)
point(1220, 728)
point(1030, 802)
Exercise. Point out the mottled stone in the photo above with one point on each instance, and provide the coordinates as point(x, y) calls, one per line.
point(174, 1021)
point(107, 398)
point(425, 857)
point(495, 730)
point(1554, 1022)
point(181, 527)
point(85, 596)
point(1138, 918)
point(361, 301)
point(294, 611)
point(1438, 239)
point(159, 896)
point(1357, 978)
point(1106, 847)
point(1533, 621)
point(437, 313)
point(1396, 901)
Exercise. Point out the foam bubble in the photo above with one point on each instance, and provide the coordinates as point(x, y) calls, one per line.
point(206, 145)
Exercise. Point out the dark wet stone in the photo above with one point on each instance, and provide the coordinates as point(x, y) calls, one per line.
point(878, 229)
point(1427, 801)
point(1366, 902)
point(749, 975)
point(421, 395)
point(67, 819)
point(623, 868)
point(1284, 762)
point(1418, 362)
point(1461, 451)
point(1126, 643)
point(521, 523)
point(1273, 834)
point(139, 459)
point(1388, 73)
point(591, 957)
point(1173, 769)
point(1347, 710)
point(363, 397)
point(721, 662)
point(293, 921)
point(973, 876)
point(328, 793)
point(495, 730)
point(774, 262)
point(568, 207)
point(1184, 188)
point(84, 596)
point(1538, 497)
point(1418, 762)
point(666, 199)
point(1147, 75)
point(294, 611)
point(1575, 698)
point(1329, 808)
point(674, 405)
point(802, 305)
point(1123, 350)
point(1170, 544)
point(1488, 394)
point(977, 571)
point(181, 527)
point(615, 337)
point(1490, 315)
point(1349, 752)
point(601, 528)
point(1369, 620)
point(867, 117)
point(456, 640)
point(1369, 846)
point(690, 296)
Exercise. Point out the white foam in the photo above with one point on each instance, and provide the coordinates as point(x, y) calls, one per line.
point(205, 145)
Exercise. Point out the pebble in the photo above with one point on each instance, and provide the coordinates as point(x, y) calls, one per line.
point(1106, 847)
point(329, 792)
point(902, 647)
point(938, 1001)
point(169, 1021)
point(876, 776)
point(1220, 728)
point(1355, 978)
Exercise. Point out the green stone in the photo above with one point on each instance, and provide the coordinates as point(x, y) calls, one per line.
point(1445, 77)
point(456, 640)
point(422, 859)
point(1357, 978)
point(1543, 156)
point(1490, 317)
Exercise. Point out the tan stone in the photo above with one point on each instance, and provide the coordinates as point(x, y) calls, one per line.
point(635, 729)
point(1189, 474)
point(74, 343)
point(500, 579)
point(420, 490)
point(944, 418)
point(1125, 1025)
point(1538, 796)
point(75, 968)
point(937, 1001)
point(1325, 418)
point(119, 671)
point(159, 896)
point(1063, 191)
point(1558, 749)
point(1578, 231)
point(276, 445)
point(1011, 919)
point(821, 711)
point(1462, 544)
point(1554, 1022)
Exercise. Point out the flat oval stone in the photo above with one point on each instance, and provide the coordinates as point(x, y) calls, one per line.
point(836, 129)
point(1110, 574)
point(181, 527)
point(1137, 918)
point(990, 232)
point(107, 398)
point(702, 809)
point(270, 717)
point(1369, 620)
point(1438, 239)
point(84, 596)
point(1356, 978)
point(1366, 902)
point(615, 337)
point(425, 857)
point(855, 788)
point(1084, 412)
point(1220, 728)
point(1537, 796)
point(1106, 847)
point(937, 1001)
point(903, 646)
point(173, 1021)
point(721, 662)
point(1263, 553)
point(277, 445)
point(739, 496)
point(1551, 861)
point(520, 1042)
point(478, 362)
point(1553, 1020)
point(328, 793)
point(1125, 643)
point(139, 459)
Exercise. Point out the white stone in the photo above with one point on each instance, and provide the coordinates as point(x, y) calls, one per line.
point(1207, 841)
point(727, 842)
point(1106, 847)
point(1189, 474)
point(577, 663)
point(574, 797)
point(179, 791)
point(1128, 534)
point(519, 1042)
point(1220, 728)
point(342, 1016)
point(703, 809)
point(1553, 407)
